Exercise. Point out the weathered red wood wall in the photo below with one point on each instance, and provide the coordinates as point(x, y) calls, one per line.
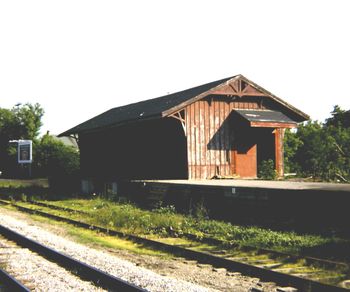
point(210, 143)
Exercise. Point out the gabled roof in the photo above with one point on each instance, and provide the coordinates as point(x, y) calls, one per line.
point(165, 105)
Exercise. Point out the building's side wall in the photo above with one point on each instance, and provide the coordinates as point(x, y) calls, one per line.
point(210, 140)
point(149, 150)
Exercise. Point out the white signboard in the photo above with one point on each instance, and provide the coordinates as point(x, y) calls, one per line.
point(25, 151)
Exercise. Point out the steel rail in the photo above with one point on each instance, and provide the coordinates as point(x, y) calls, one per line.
point(54, 207)
point(11, 283)
point(84, 271)
point(203, 257)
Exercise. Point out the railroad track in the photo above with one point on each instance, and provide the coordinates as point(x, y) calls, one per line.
point(11, 279)
point(54, 207)
point(9, 283)
point(82, 270)
point(283, 269)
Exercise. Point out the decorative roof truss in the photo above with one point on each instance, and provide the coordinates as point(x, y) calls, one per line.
point(237, 87)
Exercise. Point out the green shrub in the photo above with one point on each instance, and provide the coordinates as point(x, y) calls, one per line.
point(267, 170)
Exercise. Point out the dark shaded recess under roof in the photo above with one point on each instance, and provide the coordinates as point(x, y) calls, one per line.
point(265, 116)
point(152, 108)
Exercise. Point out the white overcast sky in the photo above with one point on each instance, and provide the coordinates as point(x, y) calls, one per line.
point(80, 58)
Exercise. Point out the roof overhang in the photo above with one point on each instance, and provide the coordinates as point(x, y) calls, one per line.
point(266, 119)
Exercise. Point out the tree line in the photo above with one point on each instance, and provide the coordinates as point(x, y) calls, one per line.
point(320, 150)
point(51, 158)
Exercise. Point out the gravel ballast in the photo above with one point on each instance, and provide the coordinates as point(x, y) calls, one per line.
point(38, 273)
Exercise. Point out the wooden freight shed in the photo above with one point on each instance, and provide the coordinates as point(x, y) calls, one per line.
point(225, 128)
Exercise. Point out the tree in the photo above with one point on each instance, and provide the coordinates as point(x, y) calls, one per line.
point(338, 128)
point(58, 162)
point(340, 118)
point(51, 158)
point(291, 144)
point(20, 122)
point(28, 118)
point(309, 152)
point(321, 149)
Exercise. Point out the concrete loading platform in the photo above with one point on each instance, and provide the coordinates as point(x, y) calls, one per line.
point(259, 184)
point(277, 204)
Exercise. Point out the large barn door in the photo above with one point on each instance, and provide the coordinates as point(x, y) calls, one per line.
point(246, 163)
point(245, 155)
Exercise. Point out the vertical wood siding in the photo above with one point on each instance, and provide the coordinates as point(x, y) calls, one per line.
point(209, 137)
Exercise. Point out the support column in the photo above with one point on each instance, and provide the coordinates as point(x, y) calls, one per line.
point(279, 135)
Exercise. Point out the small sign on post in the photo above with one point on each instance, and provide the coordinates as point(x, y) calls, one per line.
point(24, 151)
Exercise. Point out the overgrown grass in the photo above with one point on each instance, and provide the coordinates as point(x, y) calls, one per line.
point(24, 183)
point(165, 222)
point(94, 238)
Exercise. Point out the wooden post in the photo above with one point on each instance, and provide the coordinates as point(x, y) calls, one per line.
point(279, 135)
